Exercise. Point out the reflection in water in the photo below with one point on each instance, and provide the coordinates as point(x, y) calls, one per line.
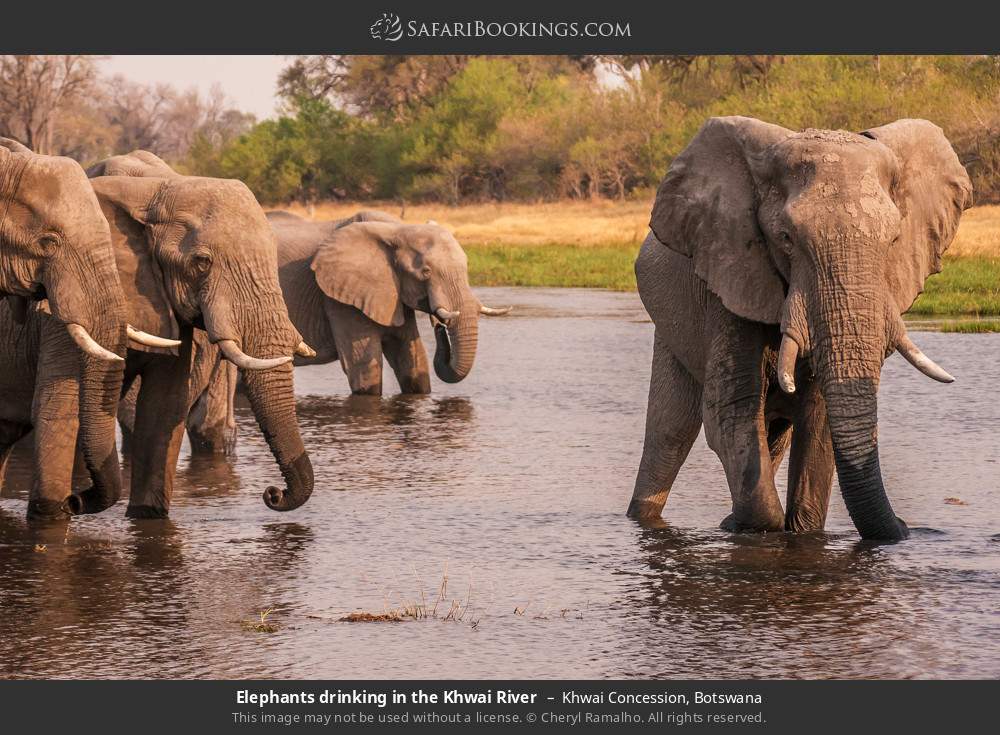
point(513, 483)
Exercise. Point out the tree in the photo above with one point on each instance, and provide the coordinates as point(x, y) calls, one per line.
point(34, 90)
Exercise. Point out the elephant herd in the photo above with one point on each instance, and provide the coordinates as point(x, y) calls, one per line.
point(776, 272)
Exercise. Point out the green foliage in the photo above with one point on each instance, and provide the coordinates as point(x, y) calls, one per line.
point(967, 285)
point(555, 265)
point(526, 128)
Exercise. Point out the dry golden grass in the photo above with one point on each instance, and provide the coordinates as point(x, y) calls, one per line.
point(979, 233)
point(601, 222)
point(598, 223)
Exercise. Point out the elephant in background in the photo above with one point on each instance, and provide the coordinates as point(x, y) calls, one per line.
point(776, 274)
point(55, 251)
point(353, 288)
point(196, 252)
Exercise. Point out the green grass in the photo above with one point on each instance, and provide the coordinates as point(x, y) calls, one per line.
point(972, 327)
point(559, 266)
point(966, 286)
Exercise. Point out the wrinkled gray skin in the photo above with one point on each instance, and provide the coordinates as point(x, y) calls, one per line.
point(353, 288)
point(814, 243)
point(55, 243)
point(198, 252)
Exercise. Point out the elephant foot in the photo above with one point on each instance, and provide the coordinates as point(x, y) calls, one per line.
point(44, 509)
point(145, 511)
point(735, 524)
point(805, 523)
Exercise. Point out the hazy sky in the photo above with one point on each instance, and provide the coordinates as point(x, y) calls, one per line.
point(247, 80)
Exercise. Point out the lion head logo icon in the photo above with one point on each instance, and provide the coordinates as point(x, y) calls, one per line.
point(387, 28)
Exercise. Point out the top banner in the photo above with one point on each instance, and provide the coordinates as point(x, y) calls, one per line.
point(450, 27)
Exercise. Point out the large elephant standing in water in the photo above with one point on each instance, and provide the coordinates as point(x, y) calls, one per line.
point(55, 249)
point(777, 271)
point(196, 252)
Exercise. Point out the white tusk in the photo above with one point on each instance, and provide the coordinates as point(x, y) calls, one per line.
point(787, 355)
point(304, 350)
point(920, 361)
point(243, 361)
point(150, 340)
point(489, 311)
point(88, 345)
point(444, 315)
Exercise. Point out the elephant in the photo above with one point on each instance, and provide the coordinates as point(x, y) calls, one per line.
point(193, 252)
point(353, 287)
point(60, 300)
point(776, 272)
point(198, 253)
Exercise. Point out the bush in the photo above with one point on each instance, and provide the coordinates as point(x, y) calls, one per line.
point(529, 128)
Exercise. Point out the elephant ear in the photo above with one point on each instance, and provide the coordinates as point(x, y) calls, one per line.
point(356, 266)
point(706, 209)
point(129, 206)
point(932, 190)
point(13, 146)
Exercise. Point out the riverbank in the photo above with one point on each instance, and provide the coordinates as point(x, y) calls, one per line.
point(593, 245)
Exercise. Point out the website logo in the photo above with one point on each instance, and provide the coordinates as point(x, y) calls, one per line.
point(387, 28)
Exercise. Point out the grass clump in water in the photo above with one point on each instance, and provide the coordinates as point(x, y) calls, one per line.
point(262, 625)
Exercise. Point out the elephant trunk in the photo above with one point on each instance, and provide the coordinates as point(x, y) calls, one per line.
point(102, 314)
point(457, 340)
point(849, 346)
point(272, 398)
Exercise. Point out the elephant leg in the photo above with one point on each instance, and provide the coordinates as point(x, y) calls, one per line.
point(811, 464)
point(779, 437)
point(211, 420)
point(673, 420)
point(56, 421)
point(359, 344)
point(406, 355)
point(160, 411)
point(736, 427)
point(10, 433)
point(126, 415)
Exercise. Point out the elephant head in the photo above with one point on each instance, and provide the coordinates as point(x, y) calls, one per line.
point(830, 235)
point(136, 163)
point(379, 265)
point(56, 245)
point(199, 251)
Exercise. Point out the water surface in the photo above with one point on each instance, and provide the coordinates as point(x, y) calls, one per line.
point(513, 484)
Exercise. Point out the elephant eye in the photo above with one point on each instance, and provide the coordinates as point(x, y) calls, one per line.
point(201, 262)
point(48, 242)
point(425, 272)
point(786, 241)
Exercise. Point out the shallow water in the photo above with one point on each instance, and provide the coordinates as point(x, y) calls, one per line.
point(514, 484)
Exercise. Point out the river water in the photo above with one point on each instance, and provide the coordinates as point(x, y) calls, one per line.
point(509, 490)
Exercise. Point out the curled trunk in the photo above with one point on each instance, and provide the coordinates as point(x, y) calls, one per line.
point(456, 343)
point(272, 397)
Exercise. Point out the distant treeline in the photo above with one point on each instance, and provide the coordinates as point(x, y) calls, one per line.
point(471, 128)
